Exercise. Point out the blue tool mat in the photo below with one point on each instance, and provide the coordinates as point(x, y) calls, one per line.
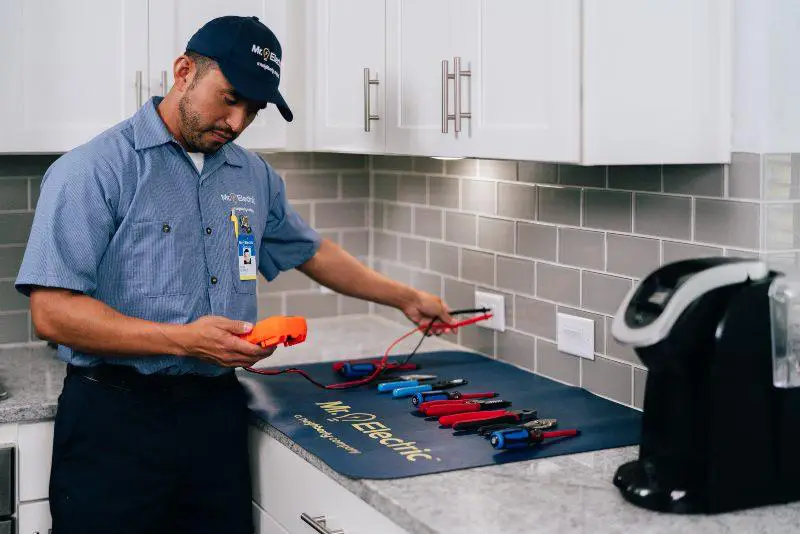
point(335, 425)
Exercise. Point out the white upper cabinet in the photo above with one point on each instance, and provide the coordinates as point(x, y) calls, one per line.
point(657, 81)
point(173, 22)
point(70, 70)
point(349, 109)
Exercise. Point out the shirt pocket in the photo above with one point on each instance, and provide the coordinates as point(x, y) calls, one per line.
point(161, 257)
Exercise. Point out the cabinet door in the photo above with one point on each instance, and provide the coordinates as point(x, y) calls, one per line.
point(526, 79)
point(34, 518)
point(35, 454)
point(173, 22)
point(69, 70)
point(265, 523)
point(350, 37)
point(420, 35)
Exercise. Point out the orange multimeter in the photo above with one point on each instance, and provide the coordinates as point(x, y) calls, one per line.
point(289, 330)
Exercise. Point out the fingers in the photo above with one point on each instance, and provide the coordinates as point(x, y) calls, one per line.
point(234, 327)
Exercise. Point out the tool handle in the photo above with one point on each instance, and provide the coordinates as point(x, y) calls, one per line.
point(401, 392)
point(449, 420)
point(423, 408)
point(511, 438)
point(560, 433)
point(391, 386)
point(355, 370)
point(289, 330)
point(450, 409)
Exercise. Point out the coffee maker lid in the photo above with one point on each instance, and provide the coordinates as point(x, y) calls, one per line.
point(672, 301)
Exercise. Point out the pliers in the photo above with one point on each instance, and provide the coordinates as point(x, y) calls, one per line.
point(471, 421)
point(434, 396)
point(358, 369)
point(405, 381)
point(466, 406)
point(443, 384)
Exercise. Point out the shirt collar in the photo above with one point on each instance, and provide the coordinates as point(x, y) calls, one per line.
point(150, 131)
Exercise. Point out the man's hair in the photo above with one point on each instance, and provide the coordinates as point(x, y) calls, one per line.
point(203, 65)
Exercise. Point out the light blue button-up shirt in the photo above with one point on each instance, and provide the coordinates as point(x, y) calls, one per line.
point(127, 219)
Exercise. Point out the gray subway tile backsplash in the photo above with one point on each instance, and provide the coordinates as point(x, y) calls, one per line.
point(555, 364)
point(478, 196)
point(496, 234)
point(355, 184)
point(413, 188)
point(10, 260)
point(414, 252)
point(478, 339)
point(10, 298)
point(461, 228)
point(340, 214)
point(477, 266)
point(430, 282)
point(443, 258)
point(727, 222)
point(461, 167)
point(582, 176)
point(632, 256)
point(608, 210)
point(608, 378)
point(309, 185)
point(581, 248)
point(538, 241)
point(517, 348)
point(516, 200)
point(744, 175)
point(703, 180)
point(663, 215)
point(397, 218)
point(13, 194)
point(559, 205)
point(635, 177)
point(602, 292)
point(428, 222)
point(516, 275)
point(497, 169)
point(538, 173)
point(427, 165)
point(558, 283)
point(672, 251)
point(15, 227)
point(14, 327)
point(535, 316)
point(443, 192)
point(385, 186)
point(639, 381)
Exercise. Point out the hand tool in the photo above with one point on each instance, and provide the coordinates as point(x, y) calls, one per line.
point(289, 330)
point(433, 396)
point(536, 424)
point(405, 381)
point(522, 437)
point(423, 408)
point(472, 421)
point(466, 407)
point(445, 384)
point(357, 369)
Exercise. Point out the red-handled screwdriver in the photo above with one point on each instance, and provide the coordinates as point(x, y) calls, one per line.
point(469, 421)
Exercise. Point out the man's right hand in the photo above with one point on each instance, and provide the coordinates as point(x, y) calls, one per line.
point(216, 339)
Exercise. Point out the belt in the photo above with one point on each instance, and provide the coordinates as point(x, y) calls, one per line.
point(125, 378)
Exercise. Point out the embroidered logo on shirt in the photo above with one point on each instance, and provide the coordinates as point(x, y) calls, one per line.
point(236, 197)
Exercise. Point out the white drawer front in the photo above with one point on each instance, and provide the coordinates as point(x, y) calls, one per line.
point(286, 486)
point(265, 523)
point(35, 457)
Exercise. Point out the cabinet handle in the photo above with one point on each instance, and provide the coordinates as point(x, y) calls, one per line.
point(164, 83)
point(138, 89)
point(368, 116)
point(457, 75)
point(318, 524)
point(445, 77)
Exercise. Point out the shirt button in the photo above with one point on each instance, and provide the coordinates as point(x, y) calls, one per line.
point(208, 230)
point(166, 228)
point(213, 279)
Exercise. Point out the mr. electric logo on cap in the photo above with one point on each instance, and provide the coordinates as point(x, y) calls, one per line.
point(267, 55)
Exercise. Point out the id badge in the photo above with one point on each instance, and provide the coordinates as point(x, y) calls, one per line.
point(247, 256)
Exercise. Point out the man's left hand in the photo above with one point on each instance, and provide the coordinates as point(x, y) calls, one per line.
point(425, 307)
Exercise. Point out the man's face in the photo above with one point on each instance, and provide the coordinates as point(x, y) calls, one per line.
point(212, 113)
point(246, 254)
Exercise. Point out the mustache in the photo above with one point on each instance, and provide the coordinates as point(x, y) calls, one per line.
point(224, 132)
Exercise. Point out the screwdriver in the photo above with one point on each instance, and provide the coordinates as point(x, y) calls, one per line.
point(536, 424)
point(470, 421)
point(445, 384)
point(519, 438)
point(405, 381)
point(356, 369)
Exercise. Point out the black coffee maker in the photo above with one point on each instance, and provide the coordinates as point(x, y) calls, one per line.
point(717, 433)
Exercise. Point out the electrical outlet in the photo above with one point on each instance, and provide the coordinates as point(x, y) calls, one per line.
point(497, 304)
point(575, 335)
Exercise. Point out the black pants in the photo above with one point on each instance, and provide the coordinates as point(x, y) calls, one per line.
point(136, 461)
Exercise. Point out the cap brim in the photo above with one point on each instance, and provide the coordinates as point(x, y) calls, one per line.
point(247, 87)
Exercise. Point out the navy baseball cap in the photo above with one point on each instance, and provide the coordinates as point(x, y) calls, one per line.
point(248, 54)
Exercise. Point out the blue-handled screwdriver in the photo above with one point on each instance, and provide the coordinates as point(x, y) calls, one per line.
point(409, 391)
point(405, 381)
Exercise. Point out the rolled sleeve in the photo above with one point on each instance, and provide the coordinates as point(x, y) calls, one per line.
point(288, 241)
point(72, 226)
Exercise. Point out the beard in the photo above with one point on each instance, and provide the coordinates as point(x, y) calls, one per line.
point(197, 134)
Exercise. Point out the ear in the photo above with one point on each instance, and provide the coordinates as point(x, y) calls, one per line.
point(184, 70)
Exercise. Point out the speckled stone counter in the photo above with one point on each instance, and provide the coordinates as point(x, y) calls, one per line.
point(33, 378)
point(561, 494)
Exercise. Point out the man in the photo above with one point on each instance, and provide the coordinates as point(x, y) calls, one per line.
point(133, 268)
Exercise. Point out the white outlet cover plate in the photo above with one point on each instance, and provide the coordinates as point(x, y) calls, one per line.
point(575, 335)
point(497, 303)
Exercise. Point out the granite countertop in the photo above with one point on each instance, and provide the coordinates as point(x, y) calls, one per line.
point(564, 493)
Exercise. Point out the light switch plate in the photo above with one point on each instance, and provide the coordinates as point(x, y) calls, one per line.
point(496, 303)
point(575, 335)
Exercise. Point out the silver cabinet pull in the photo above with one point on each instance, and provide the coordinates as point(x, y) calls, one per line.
point(138, 89)
point(368, 116)
point(456, 77)
point(458, 73)
point(319, 524)
point(164, 83)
